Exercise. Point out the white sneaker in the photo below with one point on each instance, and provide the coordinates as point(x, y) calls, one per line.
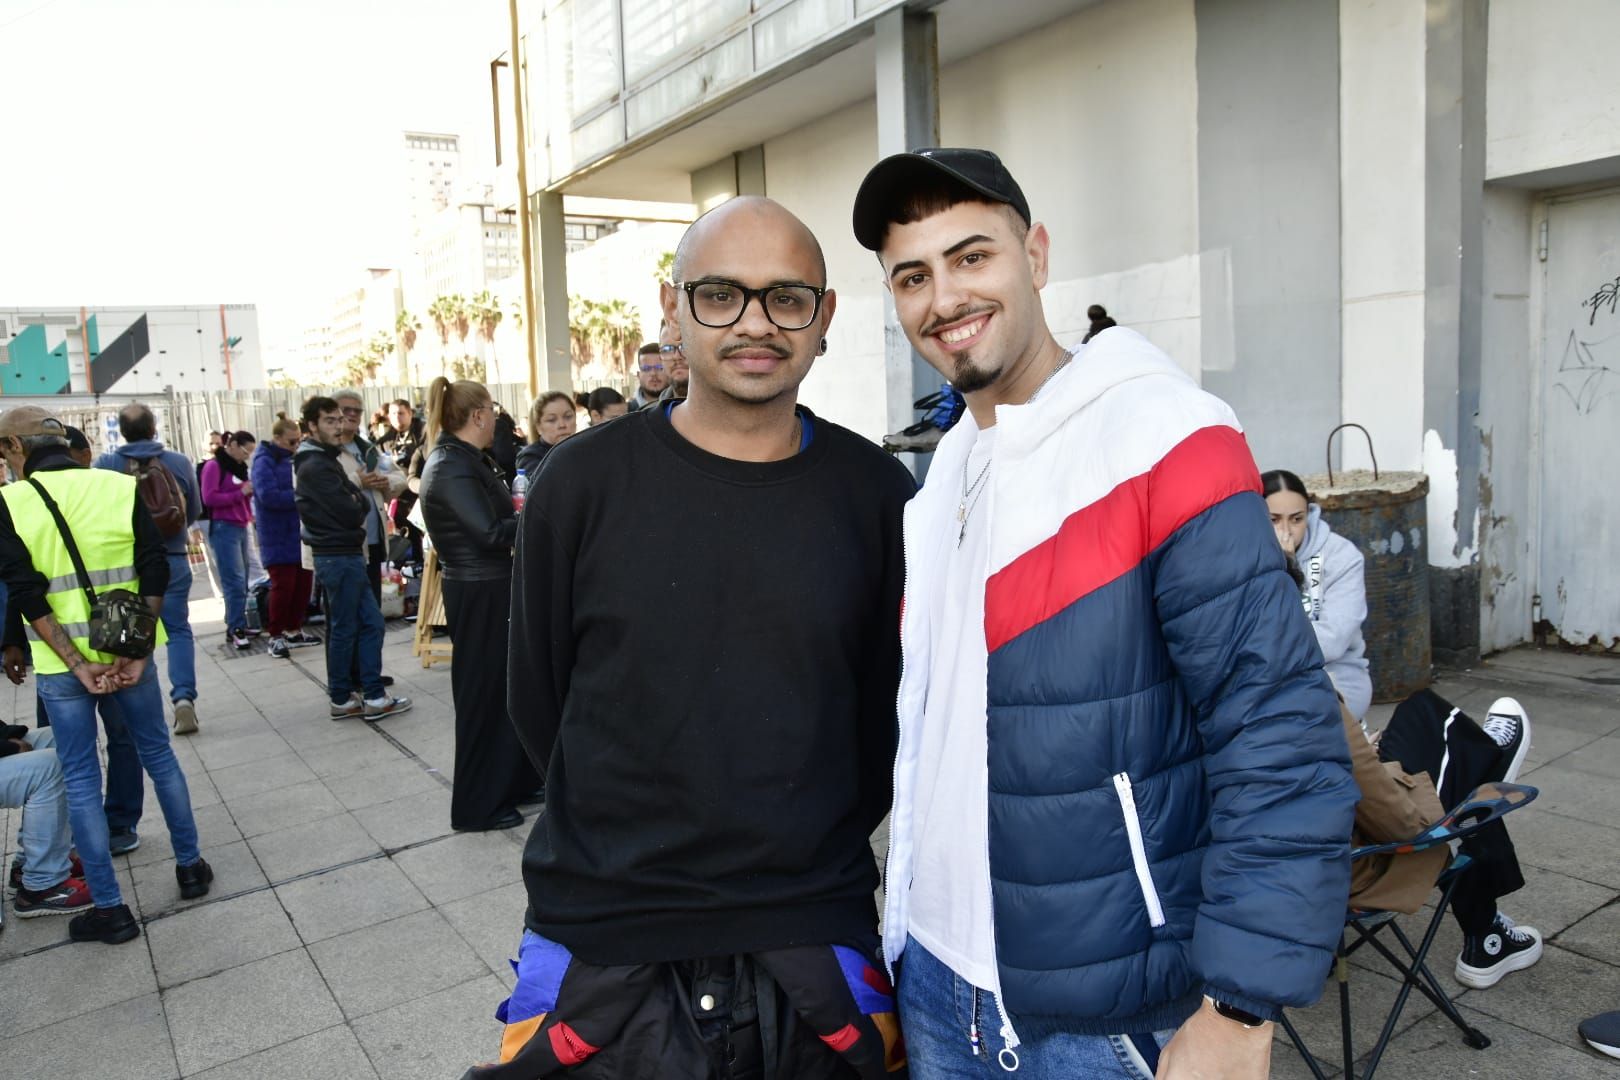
point(1508, 725)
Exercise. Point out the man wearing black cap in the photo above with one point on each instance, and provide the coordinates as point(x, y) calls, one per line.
point(1121, 797)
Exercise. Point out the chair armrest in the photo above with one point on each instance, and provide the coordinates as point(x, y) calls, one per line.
point(1483, 805)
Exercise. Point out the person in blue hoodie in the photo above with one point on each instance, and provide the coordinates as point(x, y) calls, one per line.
point(138, 426)
point(1335, 592)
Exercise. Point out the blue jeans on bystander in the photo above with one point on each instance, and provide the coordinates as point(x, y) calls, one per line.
point(938, 1012)
point(354, 628)
point(33, 781)
point(73, 719)
point(230, 543)
point(177, 622)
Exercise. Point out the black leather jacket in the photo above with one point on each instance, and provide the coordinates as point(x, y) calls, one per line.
point(468, 512)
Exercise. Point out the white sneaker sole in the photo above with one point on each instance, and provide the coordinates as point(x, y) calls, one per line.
point(1485, 978)
point(1604, 1048)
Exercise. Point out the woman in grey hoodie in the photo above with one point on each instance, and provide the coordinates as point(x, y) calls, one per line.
point(1335, 593)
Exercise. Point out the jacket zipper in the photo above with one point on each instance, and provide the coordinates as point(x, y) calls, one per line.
point(1133, 830)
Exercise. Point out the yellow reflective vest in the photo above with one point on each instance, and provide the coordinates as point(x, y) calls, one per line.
point(98, 506)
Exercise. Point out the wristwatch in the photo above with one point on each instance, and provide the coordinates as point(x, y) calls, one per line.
point(1235, 1014)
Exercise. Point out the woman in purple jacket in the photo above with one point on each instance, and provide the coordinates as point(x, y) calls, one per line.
point(275, 515)
point(228, 494)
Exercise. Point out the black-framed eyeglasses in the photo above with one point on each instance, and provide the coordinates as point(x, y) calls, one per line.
point(652, 367)
point(718, 304)
point(351, 412)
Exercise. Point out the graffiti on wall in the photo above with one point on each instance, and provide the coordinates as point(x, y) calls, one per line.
point(30, 364)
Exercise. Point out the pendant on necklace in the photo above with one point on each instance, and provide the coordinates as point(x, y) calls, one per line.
point(961, 513)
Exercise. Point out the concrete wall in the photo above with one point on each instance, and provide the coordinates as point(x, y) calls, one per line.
point(1381, 180)
point(1268, 193)
point(1552, 84)
point(1507, 397)
point(1116, 186)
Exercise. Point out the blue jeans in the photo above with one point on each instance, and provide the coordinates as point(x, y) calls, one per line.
point(34, 782)
point(354, 627)
point(73, 719)
point(177, 622)
point(126, 793)
point(230, 543)
point(937, 1010)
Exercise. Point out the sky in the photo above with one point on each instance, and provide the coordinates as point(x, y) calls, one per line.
point(224, 151)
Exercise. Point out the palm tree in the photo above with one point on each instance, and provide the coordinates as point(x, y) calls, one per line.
point(377, 351)
point(406, 327)
point(449, 313)
point(487, 313)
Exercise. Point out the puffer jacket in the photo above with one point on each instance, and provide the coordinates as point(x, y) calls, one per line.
point(275, 508)
point(468, 512)
point(1336, 600)
point(1170, 801)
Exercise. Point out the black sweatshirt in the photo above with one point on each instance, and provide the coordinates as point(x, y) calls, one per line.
point(704, 660)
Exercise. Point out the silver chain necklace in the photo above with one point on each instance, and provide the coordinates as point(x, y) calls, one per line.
point(971, 494)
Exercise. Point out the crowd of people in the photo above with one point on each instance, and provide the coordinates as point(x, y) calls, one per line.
point(1118, 853)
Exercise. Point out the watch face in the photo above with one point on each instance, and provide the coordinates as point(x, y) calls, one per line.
point(1241, 1016)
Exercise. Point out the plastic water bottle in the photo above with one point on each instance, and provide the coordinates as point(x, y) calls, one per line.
point(520, 491)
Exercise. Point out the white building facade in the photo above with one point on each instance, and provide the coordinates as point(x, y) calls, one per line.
point(1401, 214)
point(129, 349)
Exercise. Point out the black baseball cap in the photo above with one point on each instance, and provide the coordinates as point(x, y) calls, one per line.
point(979, 170)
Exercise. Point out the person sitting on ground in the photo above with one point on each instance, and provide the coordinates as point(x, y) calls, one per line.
point(1335, 589)
point(44, 874)
point(602, 404)
point(276, 516)
point(551, 420)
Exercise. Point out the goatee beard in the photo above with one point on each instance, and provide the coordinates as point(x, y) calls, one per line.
point(969, 379)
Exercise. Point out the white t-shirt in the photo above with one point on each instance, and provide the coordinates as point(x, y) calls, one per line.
point(950, 884)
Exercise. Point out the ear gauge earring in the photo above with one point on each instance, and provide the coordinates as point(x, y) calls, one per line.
point(822, 351)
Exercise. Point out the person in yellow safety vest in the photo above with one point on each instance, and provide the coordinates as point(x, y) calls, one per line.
point(121, 547)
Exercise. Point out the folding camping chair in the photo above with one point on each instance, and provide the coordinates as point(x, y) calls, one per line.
point(1485, 804)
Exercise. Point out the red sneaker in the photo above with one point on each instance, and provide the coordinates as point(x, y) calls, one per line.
point(66, 898)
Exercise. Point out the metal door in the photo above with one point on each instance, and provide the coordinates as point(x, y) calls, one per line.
point(1579, 572)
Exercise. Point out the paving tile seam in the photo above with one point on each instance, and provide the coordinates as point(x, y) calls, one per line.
point(487, 973)
point(1473, 998)
point(254, 1053)
point(169, 913)
point(407, 752)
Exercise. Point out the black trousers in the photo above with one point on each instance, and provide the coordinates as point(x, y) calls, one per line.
point(492, 770)
point(1419, 739)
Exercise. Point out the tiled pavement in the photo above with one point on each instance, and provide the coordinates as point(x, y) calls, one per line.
point(350, 934)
